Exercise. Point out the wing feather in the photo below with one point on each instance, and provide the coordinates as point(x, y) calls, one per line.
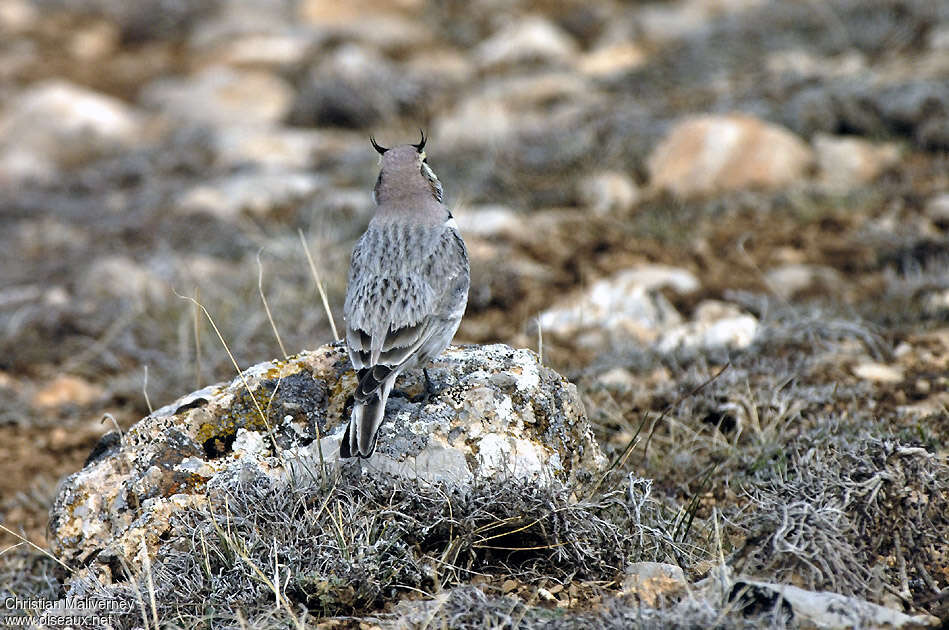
point(402, 282)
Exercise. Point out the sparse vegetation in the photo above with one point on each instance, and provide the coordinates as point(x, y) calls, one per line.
point(819, 457)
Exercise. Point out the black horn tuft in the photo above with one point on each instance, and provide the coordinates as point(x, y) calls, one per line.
point(375, 145)
point(421, 145)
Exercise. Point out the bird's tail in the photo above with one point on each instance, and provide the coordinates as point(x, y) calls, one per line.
point(359, 440)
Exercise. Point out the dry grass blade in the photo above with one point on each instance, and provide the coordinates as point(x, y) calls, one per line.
point(147, 567)
point(36, 547)
point(263, 298)
point(197, 340)
point(319, 285)
point(240, 373)
point(145, 391)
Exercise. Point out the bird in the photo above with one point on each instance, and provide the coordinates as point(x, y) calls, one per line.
point(408, 287)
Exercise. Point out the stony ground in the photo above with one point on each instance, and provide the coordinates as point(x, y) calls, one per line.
point(650, 192)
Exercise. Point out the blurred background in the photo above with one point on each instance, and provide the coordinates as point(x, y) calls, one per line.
point(648, 190)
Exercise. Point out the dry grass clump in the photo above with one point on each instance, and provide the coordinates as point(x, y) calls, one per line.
point(25, 573)
point(364, 541)
point(865, 519)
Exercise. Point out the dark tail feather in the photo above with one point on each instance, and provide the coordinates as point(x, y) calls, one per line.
point(359, 439)
point(368, 422)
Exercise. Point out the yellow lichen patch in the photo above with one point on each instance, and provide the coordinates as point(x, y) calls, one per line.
point(341, 390)
point(282, 369)
point(226, 425)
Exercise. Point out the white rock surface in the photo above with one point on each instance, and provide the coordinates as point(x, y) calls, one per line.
point(715, 325)
point(624, 306)
point(788, 280)
point(270, 148)
point(878, 372)
point(120, 277)
point(707, 154)
point(56, 124)
point(651, 582)
point(265, 50)
point(847, 162)
point(937, 208)
point(219, 95)
point(670, 21)
point(607, 191)
point(613, 59)
point(258, 194)
point(532, 38)
point(488, 221)
point(491, 114)
point(495, 411)
point(832, 611)
point(380, 25)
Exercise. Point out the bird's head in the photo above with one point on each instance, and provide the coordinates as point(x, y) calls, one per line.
point(404, 173)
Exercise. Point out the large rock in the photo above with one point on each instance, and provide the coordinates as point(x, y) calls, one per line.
point(708, 154)
point(493, 411)
point(274, 148)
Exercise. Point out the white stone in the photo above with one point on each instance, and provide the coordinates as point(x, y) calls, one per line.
point(482, 120)
point(271, 148)
point(622, 299)
point(530, 38)
point(650, 582)
point(937, 208)
point(671, 21)
point(807, 64)
point(878, 372)
point(17, 15)
point(257, 194)
point(608, 191)
point(266, 51)
point(488, 221)
point(219, 95)
point(715, 325)
point(381, 25)
point(624, 306)
point(832, 611)
point(788, 280)
point(939, 38)
point(120, 277)
point(247, 443)
point(612, 60)
point(55, 124)
point(492, 113)
point(846, 162)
